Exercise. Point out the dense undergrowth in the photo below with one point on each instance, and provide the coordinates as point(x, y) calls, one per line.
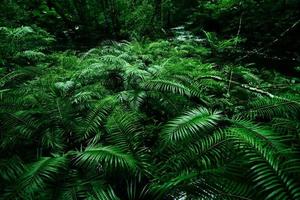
point(166, 119)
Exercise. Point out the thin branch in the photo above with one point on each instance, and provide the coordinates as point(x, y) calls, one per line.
point(274, 41)
point(236, 42)
point(281, 35)
point(247, 87)
point(280, 86)
point(253, 89)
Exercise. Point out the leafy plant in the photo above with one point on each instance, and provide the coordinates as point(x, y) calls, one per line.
point(147, 121)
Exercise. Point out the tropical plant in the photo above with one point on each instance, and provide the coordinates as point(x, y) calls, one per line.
point(23, 45)
point(155, 120)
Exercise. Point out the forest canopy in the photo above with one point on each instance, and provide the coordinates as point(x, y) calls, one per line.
point(150, 99)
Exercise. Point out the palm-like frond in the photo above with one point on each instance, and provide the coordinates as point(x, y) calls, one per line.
point(37, 176)
point(273, 181)
point(190, 125)
point(124, 130)
point(171, 184)
point(266, 153)
point(273, 107)
point(11, 169)
point(262, 139)
point(96, 117)
point(188, 89)
point(206, 153)
point(105, 194)
point(108, 156)
point(162, 85)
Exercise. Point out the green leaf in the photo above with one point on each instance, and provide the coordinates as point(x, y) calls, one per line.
point(190, 125)
point(108, 156)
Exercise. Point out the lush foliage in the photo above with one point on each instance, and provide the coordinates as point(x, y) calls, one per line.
point(270, 27)
point(182, 117)
point(84, 22)
point(148, 121)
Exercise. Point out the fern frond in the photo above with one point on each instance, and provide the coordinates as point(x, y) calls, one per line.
point(190, 125)
point(31, 55)
point(132, 98)
point(11, 169)
point(95, 119)
point(163, 189)
point(124, 130)
point(286, 126)
point(53, 139)
point(273, 181)
point(273, 107)
point(161, 85)
point(266, 152)
point(263, 139)
point(108, 156)
point(38, 175)
point(115, 61)
point(207, 152)
point(105, 194)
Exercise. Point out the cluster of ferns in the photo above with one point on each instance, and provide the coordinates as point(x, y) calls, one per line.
point(153, 120)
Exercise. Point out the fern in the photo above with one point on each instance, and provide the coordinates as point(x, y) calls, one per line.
point(11, 168)
point(144, 120)
point(205, 153)
point(107, 194)
point(265, 107)
point(91, 126)
point(190, 125)
point(265, 151)
point(109, 156)
point(124, 131)
point(167, 86)
point(38, 175)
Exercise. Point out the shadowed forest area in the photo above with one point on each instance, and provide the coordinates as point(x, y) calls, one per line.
point(150, 100)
